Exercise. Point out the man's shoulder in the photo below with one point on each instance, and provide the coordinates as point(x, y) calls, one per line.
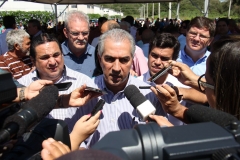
point(77, 75)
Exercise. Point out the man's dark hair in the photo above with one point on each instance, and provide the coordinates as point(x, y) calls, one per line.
point(35, 22)
point(201, 23)
point(166, 40)
point(130, 20)
point(102, 19)
point(222, 20)
point(9, 21)
point(42, 39)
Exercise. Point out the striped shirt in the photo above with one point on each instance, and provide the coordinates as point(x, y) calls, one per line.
point(69, 75)
point(117, 113)
point(17, 66)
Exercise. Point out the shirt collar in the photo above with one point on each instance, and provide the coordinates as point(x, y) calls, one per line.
point(207, 53)
point(66, 48)
point(66, 75)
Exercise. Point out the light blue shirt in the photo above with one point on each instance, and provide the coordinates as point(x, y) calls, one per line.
point(84, 64)
point(3, 42)
point(182, 41)
point(145, 48)
point(117, 113)
point(198, 67)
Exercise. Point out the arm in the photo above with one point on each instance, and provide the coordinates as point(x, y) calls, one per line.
point(77, 98)
point(30, 91)
point(191, 94)
point(169, 101)
point(82, 129)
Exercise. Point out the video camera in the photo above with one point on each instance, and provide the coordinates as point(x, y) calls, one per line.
point(194, 141)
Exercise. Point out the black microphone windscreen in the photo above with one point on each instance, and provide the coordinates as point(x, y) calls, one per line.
point(89, 154)
point(199, 113)
point(35, 109)
point(137, 99)
point(130, 90)
point(44, 102)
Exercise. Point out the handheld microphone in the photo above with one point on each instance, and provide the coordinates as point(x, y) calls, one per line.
point(31, 113)
point(199, 113)
point(143, 106)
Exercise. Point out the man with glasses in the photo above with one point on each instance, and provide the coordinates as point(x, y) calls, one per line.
point(78, 54)
point(200, 33)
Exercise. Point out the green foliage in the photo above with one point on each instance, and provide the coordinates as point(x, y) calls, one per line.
point(94, 16)
point(24, 17)
point(188, 9)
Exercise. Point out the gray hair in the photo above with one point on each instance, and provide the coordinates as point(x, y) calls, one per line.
point(15, 37)
point(74, 14)
point(124, 23)
point(116, 35)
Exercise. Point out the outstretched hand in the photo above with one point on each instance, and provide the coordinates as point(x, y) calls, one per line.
point(183, 73)
point(33, 89)
point(161, 121)
point(80, 96)
point(83, 128)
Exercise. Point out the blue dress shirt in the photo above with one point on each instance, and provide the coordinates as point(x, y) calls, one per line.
point(198, 67)
point(84, 64)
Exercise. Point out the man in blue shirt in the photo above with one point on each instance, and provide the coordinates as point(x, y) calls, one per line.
point(200, 33)
point(78, 54)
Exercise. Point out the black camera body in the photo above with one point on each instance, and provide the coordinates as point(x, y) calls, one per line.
point(194, 141)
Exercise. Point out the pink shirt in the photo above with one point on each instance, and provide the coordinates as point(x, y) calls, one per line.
point(139, 62)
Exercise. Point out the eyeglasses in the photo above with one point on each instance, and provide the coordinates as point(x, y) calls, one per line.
point(203, 85)
point(77, 34)
point(194, 34)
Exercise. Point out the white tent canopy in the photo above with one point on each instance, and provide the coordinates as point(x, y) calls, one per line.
point(99, 1)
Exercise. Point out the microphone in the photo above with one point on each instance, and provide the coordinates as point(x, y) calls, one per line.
point(32, 112)
point(199, 113)
point(143, 106)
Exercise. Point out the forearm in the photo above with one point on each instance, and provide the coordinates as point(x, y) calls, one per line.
point(179, 113)
point(21, 94)
point(193, 95)
point(76, 141)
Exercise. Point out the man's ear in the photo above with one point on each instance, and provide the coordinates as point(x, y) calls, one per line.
point(65, 32)
point(17, 46)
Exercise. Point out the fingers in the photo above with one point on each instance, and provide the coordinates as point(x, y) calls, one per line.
point(45, 82)
point(96, 117)
point(45, 154)
point(162, 121)
point(53, 149)
point(84, 118)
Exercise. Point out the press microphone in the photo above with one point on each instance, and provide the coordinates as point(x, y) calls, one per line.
point(199, 113)
point(32, 112)
point(143, 106)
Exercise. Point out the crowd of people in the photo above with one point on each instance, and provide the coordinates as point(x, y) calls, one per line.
point(203, 55)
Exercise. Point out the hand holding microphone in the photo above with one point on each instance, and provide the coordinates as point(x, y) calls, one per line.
point(32, 112)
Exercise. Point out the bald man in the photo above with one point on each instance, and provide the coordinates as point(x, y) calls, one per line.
point(108, 25)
